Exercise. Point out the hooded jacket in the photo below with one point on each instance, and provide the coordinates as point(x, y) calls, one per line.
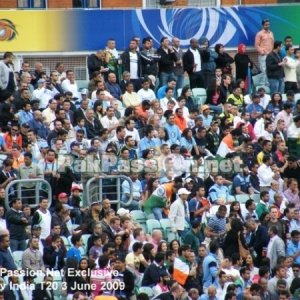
point(210, 64)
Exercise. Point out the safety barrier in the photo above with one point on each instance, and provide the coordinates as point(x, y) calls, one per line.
point(108, 186)
point(31, 196)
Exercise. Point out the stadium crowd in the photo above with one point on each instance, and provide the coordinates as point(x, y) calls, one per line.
point(213, 211)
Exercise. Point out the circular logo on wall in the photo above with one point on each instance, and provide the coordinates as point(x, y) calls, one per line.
point(8, 31)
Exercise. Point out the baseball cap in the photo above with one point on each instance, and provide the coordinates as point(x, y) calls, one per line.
point(41, 80)
point(204, 107)
point(84, 91)
point(122, 212)
point(188, 180)
point(76, 188)
point(95, 203)
point(183, 191)
point(62, 195)
point(67, 206)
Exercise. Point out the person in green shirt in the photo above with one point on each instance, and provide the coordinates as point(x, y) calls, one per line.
point(263, 205)
point(191, 238)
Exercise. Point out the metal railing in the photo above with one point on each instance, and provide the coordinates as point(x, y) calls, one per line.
point(32, 196)
point(108, 186)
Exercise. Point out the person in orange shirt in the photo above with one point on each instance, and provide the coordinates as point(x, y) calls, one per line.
point(13, 136)
point(264, 42)
point(142, 111)
point(17, 157)
point(180, 121)
point(171, 188)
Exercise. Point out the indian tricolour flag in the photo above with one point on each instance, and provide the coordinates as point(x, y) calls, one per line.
point(181, 271)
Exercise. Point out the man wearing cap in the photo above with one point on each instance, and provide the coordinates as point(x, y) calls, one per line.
point(206, 116)
point(179, 212)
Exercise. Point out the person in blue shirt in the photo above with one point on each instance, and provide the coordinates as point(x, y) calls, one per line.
point(162, 90)
point(293, 246)
point(25, 115)
point(219, 193)
point(288, 40)
point(75, 251)
point(148, 142)
point(210, 266)
point(172, 129)
point(206, 116)
point(255, 109)
point(188, 142)
point(241, 182)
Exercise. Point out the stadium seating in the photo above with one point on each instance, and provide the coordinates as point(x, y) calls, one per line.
point(242, 198)
point(146, 290)
point(152, 224)
point(199, 95)
point(17, 255)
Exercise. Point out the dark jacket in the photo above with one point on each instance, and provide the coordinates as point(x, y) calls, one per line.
point(259, 240)
point(241, 63)
point(231, 243)
point(126, 62)
point(149, 62)
point(166, 61)
point(50, 256)
point(40, 293)
point(6, 260)
point(9, 294)
point(151, 275)
point(188, 60)
point(78, 114)
point(93, 64)
point(93, 129)
point(273, 70)
point(224, 61)
point(57, 220)
point(15, 225)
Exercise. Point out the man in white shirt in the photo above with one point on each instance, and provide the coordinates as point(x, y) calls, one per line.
point(131, 130)
point(294, 129)
point(259, 126)
point(179, 211)
point(42, 93)
point(265, 174)
point(70, 85)
point(168, 96)
point(49, 112)
point(110, 121)
point(145, 93)
point(192, 60)
point(2, 220)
